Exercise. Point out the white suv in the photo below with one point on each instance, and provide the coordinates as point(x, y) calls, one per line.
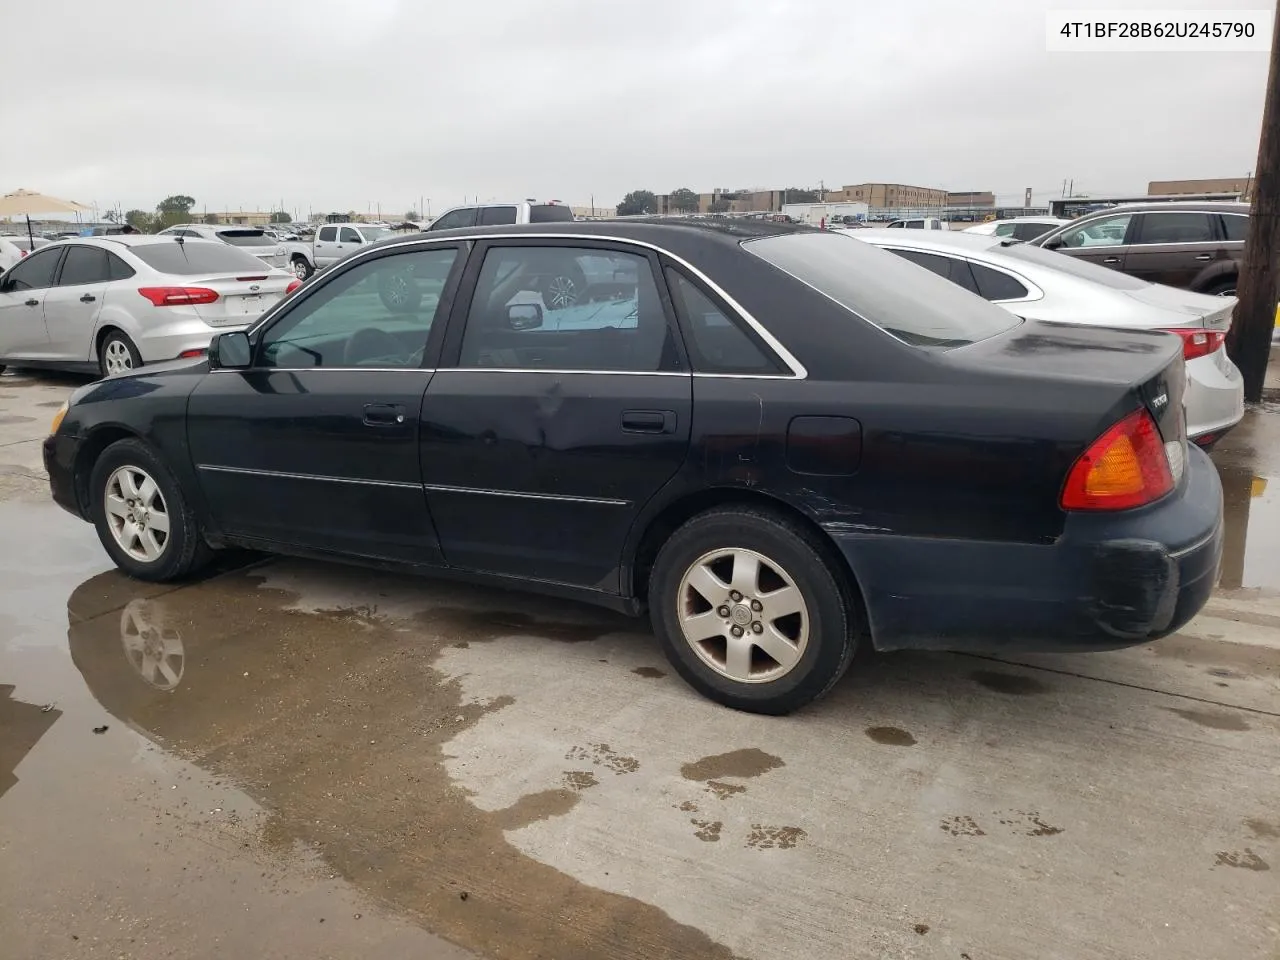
point(500, 214)
point(251, 240)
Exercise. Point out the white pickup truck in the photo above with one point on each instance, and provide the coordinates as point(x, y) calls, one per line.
point(332, 242)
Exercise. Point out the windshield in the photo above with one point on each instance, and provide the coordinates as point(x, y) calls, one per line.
point(549, 213)
point(375, 233)
point(910, 303)
point(1067, 264)
point(245, 238)
point(196, 256)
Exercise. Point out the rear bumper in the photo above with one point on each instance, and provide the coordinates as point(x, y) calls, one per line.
point(1109, 581)
point(1214, 396)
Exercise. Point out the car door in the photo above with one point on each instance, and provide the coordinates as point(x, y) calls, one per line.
point(315, 446)
point(1101, 240)
point(22, 294)
point(325, 248)
point(1174, 247)
point(71, 306)
point(349, 240)
point(547, 430)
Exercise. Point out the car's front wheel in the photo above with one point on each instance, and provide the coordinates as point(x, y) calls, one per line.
point(564, 288)
point(751, 611)
point(142, 517)
point(301, 269)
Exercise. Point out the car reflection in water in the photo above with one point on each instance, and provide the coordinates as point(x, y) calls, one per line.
point(1250, 530)
point(152, 647)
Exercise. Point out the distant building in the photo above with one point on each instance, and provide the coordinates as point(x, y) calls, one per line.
point(889, 195)
point(971, 199)
point(1237, 185)
point(594, 213)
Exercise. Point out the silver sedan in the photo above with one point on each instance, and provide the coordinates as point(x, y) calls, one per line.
point(1042, 285)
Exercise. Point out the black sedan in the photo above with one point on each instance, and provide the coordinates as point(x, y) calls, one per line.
point(785, 444)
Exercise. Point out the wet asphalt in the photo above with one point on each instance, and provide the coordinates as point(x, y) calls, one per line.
point(291, 759)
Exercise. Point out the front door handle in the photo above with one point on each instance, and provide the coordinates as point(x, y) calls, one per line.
point(88, 298)
point(1110, 259)
point(1204, 256)
point(33, 302)
point(648, 421)
point(383, 414)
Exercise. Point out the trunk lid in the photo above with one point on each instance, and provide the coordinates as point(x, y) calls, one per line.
point(1194, 309)
point(241, 299)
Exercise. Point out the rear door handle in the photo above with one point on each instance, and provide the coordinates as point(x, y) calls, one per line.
point(648, 421)
point(33, 302)
point(1110, 259)
point(1204, 256)
point(383, 414)
point(88, 298)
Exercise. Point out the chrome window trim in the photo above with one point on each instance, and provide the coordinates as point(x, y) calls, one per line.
point(797, 368)
point(521, 495)
point(283, 475)
point(321, 369)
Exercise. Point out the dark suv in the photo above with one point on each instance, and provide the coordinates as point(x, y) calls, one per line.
point(1197, 246)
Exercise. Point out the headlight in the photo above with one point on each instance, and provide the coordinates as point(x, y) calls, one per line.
point(57, 418)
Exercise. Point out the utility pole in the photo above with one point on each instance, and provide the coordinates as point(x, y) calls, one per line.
point(1249, 340)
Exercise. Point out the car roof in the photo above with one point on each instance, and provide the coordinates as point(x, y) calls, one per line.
point(647, 229)
point(130, 240)
point(1194, 206)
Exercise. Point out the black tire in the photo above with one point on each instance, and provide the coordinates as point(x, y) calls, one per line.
point(184, 550)
point(564, 288)
point(3, 368)
point(833, 619)
point(399, 291)
point(105, 349)
point(301, 268)
point(1223, 288)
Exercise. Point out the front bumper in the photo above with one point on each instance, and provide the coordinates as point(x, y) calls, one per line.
point(60, 453)
point(1110, 580)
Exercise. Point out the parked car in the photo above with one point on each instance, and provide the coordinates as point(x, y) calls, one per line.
point(918, 223)
point(1194, 245)
point(108, 305)
point(1019, 228)
point(1041, 285)
point(501, 214)
point(332, 242)
point(798, 446)
point(252, 240)
point(13, 248)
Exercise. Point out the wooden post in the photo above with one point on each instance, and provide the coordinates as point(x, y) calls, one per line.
point(1249, 342)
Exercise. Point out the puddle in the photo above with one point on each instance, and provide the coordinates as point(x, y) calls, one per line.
point(1014, 684)
point(751, 762)
point(1251, 526)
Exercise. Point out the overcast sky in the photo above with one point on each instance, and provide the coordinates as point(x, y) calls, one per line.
point(347, 104)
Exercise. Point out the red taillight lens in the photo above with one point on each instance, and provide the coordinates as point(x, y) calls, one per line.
point(191, 354)
point(178, 296)
point(1125, 467)
point(1199, 343)
point(21, 253)
point(293, 285)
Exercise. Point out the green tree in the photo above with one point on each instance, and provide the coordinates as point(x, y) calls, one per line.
point(799, 195)
point(281, 216)
point(211, 218)
point(411, 214)
point(173, 209)
point(684, 200)
point(637, 202)
point(140, 220)
point(719, 205)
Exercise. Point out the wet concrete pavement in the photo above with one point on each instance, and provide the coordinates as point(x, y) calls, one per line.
point(304, 760)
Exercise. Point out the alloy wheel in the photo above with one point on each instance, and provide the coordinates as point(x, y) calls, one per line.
point(118, 357)
point(397, 290)
point(743, 615)
point(152, 648)
point(561, 292)
point(300, 269)
point(136, 514)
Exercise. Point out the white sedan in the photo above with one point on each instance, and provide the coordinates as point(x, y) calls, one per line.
point(110, 304)
point(1020, 228)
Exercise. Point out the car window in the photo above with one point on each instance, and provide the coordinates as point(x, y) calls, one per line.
point(376, 315)
point(327, 234)
point(1003, 230)
point(566, 308)
point(549, 213)
point(1103, 232)
point(954, 269)
point(348, 235)
point(462, 217)
point(497, 215)
point(717, 344)
point(884, 290)
point(195, 256)
point(996, 285)
point(244, 238)
point(84, 265)
point(1236, 225)
point(118, 269)
point(1182, 227)
point(35, 272)
point(930, 261)
point(1028, 230)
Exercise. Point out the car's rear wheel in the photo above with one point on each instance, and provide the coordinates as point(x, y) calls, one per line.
point(1224, 288)
point(564, 288)
point(301, 269)
point(399, 291)
point(117, 354)
point(142, 517)
point(750, 610)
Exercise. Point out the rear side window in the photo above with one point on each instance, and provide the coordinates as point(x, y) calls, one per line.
point(119, 270)
point(84, 265)
point(550, 213)
point(454, 219)
point(717, 344)
point(994, 285)
point(1176, 228)
point(327, 234)
point(1236, 225)
point(348, 235)
point(196, 256)
point(951, 268)
point(884, 290)
point(244, 238)
point(494, 216)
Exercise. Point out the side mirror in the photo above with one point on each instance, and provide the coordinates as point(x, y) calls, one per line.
point(524, 316)
point(230, 351)
point(1053, 243)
